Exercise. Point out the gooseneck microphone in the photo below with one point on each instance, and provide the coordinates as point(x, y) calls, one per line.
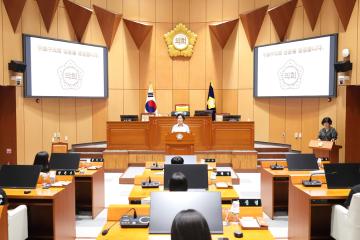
point(313, 183)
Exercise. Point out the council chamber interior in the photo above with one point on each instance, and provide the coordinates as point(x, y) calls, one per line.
point(179, 119)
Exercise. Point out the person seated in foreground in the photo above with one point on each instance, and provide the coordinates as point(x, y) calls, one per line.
point(190, 225)
point(178, 182)
point(354, 190)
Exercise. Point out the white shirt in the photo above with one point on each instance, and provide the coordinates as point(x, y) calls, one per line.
point(183, 128)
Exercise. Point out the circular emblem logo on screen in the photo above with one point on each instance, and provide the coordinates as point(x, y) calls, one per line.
point(179, 136)
point(290, 75)
point(150, 106)
point(70, 75)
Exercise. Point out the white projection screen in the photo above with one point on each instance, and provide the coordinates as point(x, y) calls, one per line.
point(302, 68)
point(56, 68)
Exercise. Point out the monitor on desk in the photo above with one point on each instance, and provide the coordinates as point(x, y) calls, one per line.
point(342, 175)
point(19, 176)
point(64, 161)
point(302, 162)
point(188, 159)
point(196, 175)
point(165, 205)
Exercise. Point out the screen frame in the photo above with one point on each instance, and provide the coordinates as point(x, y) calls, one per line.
point(27, 73)
point(333, 75)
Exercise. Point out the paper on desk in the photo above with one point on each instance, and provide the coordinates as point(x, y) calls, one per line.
point(159, 237)
point(249, 222)
point(61, 183)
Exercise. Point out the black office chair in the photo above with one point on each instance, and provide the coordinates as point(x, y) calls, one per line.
point(42, 159)
point(177, 160)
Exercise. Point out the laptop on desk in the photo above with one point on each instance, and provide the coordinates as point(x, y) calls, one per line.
point(342, 175)
point(302, 162)
point(19, 176)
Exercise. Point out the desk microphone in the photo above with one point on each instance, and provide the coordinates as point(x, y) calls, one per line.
point(105, 231)
point(312, 183)
point(149, 181)
point(276, 167)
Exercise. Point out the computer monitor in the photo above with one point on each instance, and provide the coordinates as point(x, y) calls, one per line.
point(185, 113)
point(231, 118)
point(165, 205)
point(129, 118)
point(19, 176)
point(188, 159)
point(64, 161)
point(342, 175)
point(203, 113)
point(302, 162)
point(196, 175)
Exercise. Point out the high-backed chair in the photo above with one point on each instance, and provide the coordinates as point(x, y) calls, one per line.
point(18, 223)
point(345, 223)
point(59, 147)
point(42, 159)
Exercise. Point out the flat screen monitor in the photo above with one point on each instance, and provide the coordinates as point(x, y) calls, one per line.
point(64, 161)
point(203, 113)
point(19, 176)
point(301, 68)
point(196, 175)
point(188, 159)
point(165, 205)
point(57, 68)
point(302, 162)
point(129, 118)
point(342, 175)
point(231, 118)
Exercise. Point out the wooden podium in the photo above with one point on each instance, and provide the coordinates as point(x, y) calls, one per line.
point(325, 149)
point(179, 144)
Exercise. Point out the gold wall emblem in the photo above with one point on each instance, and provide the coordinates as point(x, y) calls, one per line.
point(180, 41)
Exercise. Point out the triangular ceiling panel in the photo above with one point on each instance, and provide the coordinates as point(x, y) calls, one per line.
point(312, 9)
point(108, 22)
point(14, 10)
point(344, 9)
point(47, 10)
point(223, 30)
point(252, 22)
point(281, 16)
point(138, 31)
point(79, 17)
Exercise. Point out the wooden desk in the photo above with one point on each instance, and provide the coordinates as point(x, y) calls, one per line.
point(3, 222)
point(310, 210)
point(275, 188)
point(116, 211)
point(207, 134)
point(90, 194)
point(51, 212)
point(137, 193)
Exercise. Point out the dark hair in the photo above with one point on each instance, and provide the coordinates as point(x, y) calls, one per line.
point(177, 160)
point(180, 114)
point(190, 224)
point(326, 120)
point(178, 182)
point(3, 197)
point(42, 159)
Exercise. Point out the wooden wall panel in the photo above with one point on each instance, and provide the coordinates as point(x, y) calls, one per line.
point(164, 11)
point(230, 9)
point(99, 119)
point(261, 118)
point(115, 105)
point(51, 121)
point(197, 100)
point(83, 120)
point(231, 61)
point(163, 64)
point(181, 73)
point(33, 129)
point(213, 62)
point(341, 120)
point(68, 120)
point(131, 101)
point(197, 62)
point(131, 62)
point(230, 101)
point(164, 101)
point(147, 10)
point(181, 11)
point(147, 62)
point(277, 120)
point(328, 24)
point(213, 10)
point(131, 9)
point(116, 60)
point(197, 11)
point(20, 128)
point(246, 104)
point(309, 122)
point(181, 97)
point(293, 122)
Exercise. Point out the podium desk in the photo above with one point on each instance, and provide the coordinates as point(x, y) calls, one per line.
point(310, 210)
point(51, 212)
point(138, 193)
point(275, 188)
point(179, 144)
point(325, 149)
point(90, 194)
point(4, 222)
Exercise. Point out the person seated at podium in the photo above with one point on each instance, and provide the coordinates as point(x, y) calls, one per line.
point(190, 224)
point(180, 126)
point(178, 182)
point(327, 133)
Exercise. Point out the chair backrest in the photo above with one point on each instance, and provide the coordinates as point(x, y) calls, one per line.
point(354, 209)
point(59, 147)
point(177, 160)
point(42, 159)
